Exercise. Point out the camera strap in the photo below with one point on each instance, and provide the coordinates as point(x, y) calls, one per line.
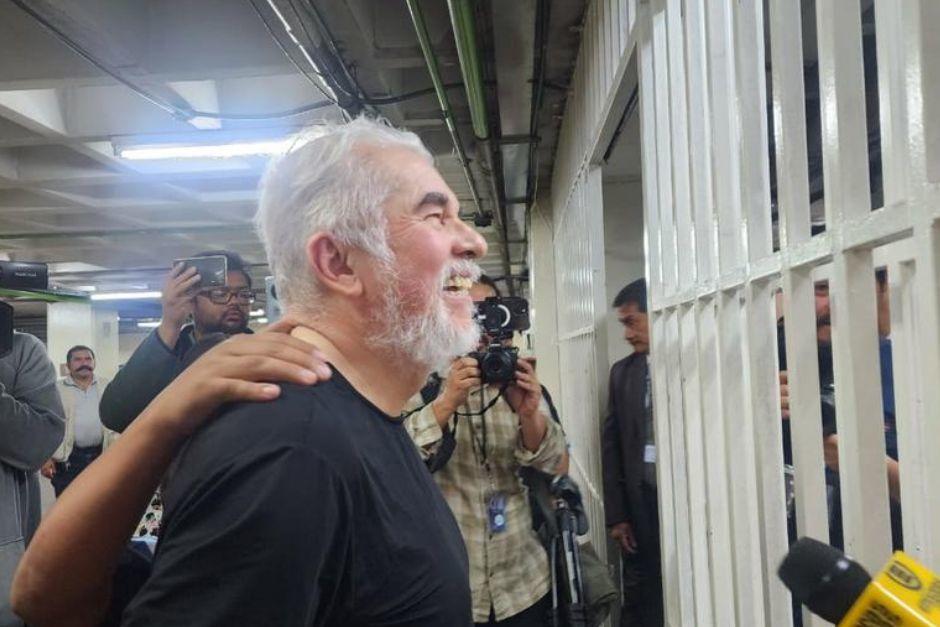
point(479, 444)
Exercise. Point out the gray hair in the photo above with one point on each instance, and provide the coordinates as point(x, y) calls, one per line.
point(322, 184)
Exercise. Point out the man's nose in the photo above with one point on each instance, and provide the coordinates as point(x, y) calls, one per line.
point(470, 244)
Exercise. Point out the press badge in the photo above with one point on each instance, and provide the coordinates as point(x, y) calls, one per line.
point(496, 513)
point(649, 454)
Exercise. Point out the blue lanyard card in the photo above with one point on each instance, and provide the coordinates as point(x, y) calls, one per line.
point(496, 513)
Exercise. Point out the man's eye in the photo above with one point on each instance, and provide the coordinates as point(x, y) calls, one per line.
point(435, 216)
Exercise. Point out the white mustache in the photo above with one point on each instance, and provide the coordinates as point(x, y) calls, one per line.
point(463, 267)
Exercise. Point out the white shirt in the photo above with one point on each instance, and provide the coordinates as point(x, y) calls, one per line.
point(87, 420)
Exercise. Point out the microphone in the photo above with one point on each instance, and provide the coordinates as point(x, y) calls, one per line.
point(839, 590)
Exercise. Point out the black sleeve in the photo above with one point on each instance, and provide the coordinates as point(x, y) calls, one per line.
point(152, 367)
point(263, 541)
point(615, 502)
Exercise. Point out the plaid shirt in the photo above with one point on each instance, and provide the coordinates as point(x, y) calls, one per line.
point(509, 569)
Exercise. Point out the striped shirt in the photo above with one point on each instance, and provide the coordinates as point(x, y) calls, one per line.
point(509, 569)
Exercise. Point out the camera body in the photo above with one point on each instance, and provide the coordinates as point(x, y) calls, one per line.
point(497, 363)
point(499, 318)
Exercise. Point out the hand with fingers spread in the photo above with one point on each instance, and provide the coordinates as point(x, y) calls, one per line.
point(464, 376)
point(178, 301)
point(242, 368)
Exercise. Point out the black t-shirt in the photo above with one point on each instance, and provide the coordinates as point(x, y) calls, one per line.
point(314, 509)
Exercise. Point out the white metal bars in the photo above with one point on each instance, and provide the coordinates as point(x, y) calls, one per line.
point(731, 327)
point(597, 89)
point(733, 271)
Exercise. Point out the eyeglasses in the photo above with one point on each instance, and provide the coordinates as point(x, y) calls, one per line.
point(223, 296)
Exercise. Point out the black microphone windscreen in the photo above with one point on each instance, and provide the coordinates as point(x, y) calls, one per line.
point(822, 578)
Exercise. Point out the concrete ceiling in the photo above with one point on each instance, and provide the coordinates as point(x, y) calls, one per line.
point(98, 219)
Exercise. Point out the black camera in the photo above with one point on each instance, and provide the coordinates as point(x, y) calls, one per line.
point(499, 318)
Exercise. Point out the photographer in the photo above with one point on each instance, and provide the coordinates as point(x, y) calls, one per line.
point(158, 360)
point(496, 430)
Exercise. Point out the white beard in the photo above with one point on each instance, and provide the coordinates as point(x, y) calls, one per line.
point(432, 339)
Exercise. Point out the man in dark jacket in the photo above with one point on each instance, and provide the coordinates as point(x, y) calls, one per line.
point(629, 461)
point(160, 357)
point(31, 428)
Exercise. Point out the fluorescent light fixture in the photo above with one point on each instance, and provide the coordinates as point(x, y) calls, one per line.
point(152, 324)
point(256, 313)
point(206, 151)
point(126, 295)
point(261, 320)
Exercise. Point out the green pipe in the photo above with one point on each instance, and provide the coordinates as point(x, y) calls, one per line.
point(427, 50)
point(461, 17)
point(42, 295)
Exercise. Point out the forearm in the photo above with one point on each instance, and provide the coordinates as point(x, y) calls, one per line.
point(442, 411)
point(533, 428)
point(169, 333)
point(65, 575)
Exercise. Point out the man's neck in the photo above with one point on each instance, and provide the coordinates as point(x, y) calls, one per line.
point(84, 381)
point(386, 381)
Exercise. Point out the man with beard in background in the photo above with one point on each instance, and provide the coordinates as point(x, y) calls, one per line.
point(160, 357)
point(315, 508)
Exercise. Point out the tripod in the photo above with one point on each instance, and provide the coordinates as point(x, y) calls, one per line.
point(568, 608)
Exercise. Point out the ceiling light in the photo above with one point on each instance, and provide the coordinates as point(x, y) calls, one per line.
point(205, 151)
point(261, 320)
point(126, 295)
point(256, 313)
point(149, 324)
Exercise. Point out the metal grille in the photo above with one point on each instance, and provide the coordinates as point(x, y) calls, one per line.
point(713, 272)
point(578, 242)
point(713, 269)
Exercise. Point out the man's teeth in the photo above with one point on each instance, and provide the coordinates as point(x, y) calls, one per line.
point(458, 283)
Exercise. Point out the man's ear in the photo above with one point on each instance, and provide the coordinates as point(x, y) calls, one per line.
point(331, 262)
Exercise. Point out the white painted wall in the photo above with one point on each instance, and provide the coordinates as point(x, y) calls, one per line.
point(544, 331)
point(623, 252)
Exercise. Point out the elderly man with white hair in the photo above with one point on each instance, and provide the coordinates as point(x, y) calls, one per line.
point(313, 508)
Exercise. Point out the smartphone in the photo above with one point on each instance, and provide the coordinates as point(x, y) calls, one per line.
point(6, 328)
point(213, 271)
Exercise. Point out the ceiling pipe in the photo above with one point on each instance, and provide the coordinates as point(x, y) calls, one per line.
point(417, 18)
point(463, 23)
point(540, 53)
point(461, 18)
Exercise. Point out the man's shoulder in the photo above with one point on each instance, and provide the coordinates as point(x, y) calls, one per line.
point(309, 417)
point(629, 367)
point(28, 345)
point(627, 362)
point(302, 428)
